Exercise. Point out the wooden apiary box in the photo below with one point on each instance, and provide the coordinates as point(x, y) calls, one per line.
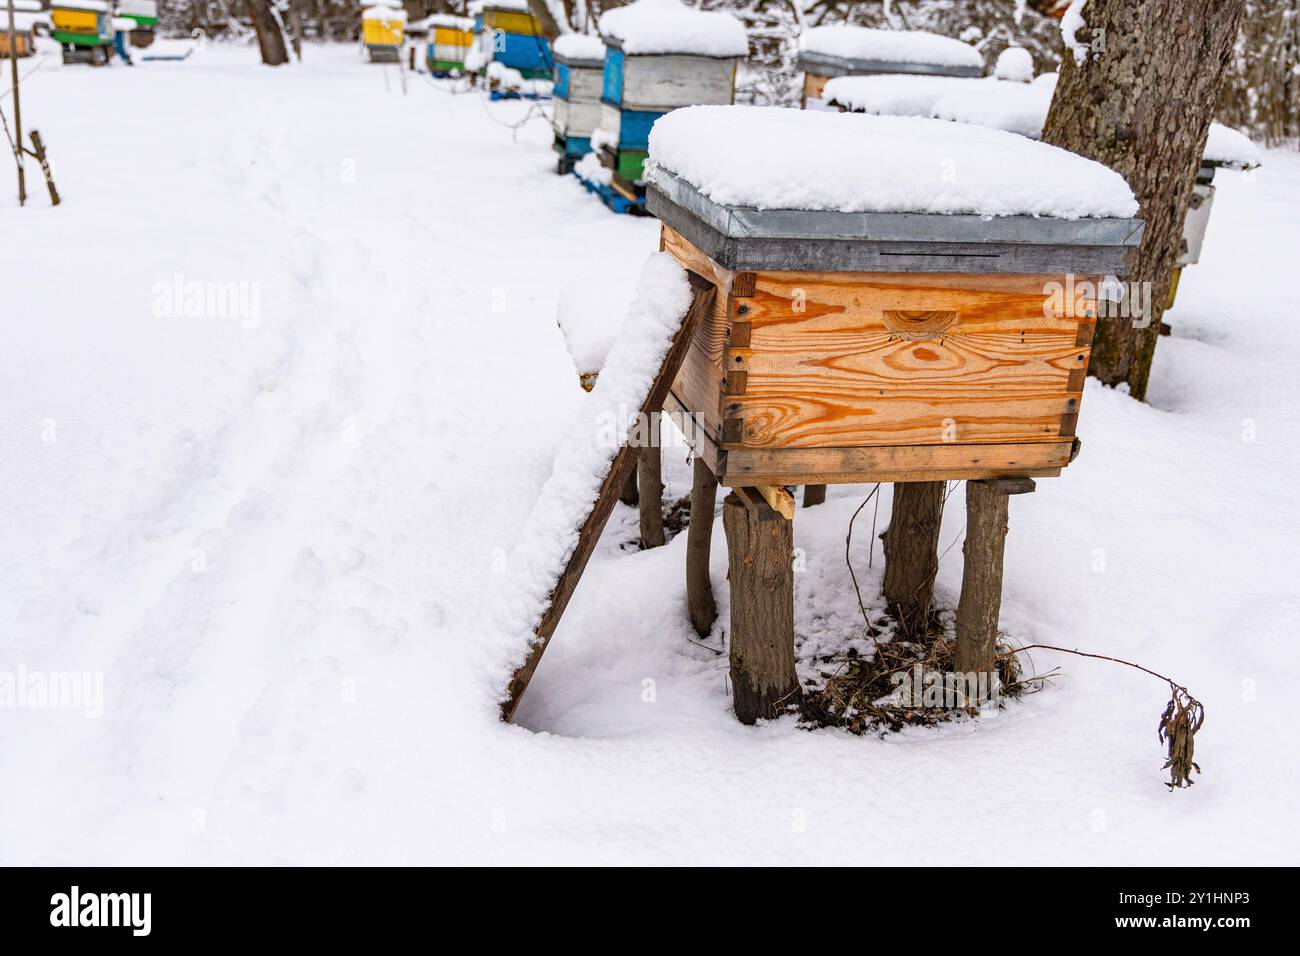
point(846, 50)
point(449, 40)
point(515, 40)
point(81, 23)
point(383, 31)
point(852, 347)
point(576, 108)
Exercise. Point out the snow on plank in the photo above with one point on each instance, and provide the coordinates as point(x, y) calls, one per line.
point(590, 471)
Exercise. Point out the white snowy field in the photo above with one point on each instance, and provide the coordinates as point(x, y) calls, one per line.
point(276, 533)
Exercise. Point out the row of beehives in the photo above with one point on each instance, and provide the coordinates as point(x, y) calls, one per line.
point(609, 90)
point(85, 29)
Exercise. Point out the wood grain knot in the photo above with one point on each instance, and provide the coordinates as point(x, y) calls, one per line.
point(919, 326)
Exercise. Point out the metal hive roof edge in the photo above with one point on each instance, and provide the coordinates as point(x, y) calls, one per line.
point(792, 239)
point(824, 64)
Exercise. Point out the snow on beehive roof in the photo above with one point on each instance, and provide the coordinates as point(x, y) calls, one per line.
point(383, 13)
point(773, 158)
point(1014, 107)
point(99, 6)
point(579, 46)
point(1228, 147)
point(889, 46)
point(1022, 109)
point(666, 26)
point(897, 94)
point(1014, 63)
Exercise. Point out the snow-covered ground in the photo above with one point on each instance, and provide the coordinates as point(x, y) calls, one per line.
point(276, 534)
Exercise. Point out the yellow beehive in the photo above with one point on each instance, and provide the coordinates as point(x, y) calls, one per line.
point(378, 32)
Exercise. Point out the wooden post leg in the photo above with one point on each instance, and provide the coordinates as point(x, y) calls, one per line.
point(629, 494)
point(651, 488)
point(699, 536)
point(912, 554)
point(813, 495)
point(981, 580)
point(760, 552)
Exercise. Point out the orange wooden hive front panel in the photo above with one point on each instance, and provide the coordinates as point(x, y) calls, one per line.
point(971, 366)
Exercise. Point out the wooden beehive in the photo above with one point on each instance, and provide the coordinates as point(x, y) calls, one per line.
point(852, 347)
point(81, 23)
point(575, 112)
point(515, 39)
point(448, 39)
point(847, 50)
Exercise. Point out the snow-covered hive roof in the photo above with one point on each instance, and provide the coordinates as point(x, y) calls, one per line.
point(853, 192)
point(848, 162)
point(667, 26)
point(854, 49)
point(579, 48)
point(897, 94)
point(1022, 109)
point(385, 13)
point(97, 6)
point(1015, 63)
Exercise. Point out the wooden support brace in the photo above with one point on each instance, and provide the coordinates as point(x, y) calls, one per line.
point(981, 580)
point(699, 538)
point(813, 495)
point(650, 487)
point(912, 554)
point(615, 480)
point(760, 552)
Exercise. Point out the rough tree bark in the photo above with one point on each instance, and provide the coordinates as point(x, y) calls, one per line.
point(760, 554)
point(1142, 103)
point(270, 38)
point(912, 554)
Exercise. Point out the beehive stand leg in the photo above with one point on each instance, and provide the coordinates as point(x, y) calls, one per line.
point(651, 489)
point(912, 554)
point(813, 495)
point(699, 536)
point(629, 494)
point(760, 552)
point(981, 580)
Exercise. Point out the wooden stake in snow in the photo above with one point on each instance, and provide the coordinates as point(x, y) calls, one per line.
point(613, 484)
point(981, 579)
point(760, 565)
point(650, 487)
point(18, 110)
point(699, 540)
point(912, 553)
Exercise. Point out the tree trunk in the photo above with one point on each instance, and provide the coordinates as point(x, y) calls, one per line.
point(699, 539)
point(651, 487)
point(1142, 103)
point(760, 554)
point(270, 38)
point(912, 554)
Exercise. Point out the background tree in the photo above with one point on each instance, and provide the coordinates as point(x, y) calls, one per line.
point(1138, 96)
point(270, 32)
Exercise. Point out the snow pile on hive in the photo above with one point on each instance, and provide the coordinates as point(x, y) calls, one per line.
point(667, 26)
point(852, 162)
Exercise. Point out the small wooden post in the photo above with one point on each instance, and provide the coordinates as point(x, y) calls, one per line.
point(629, 495)
point(912, 554)
point(813, 495)
point(699, 537)
point(651, 489)
point(38, 150)
point(760, 553)
point(981, 579)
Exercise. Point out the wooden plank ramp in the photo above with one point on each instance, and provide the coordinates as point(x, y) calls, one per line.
point(621, 467)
